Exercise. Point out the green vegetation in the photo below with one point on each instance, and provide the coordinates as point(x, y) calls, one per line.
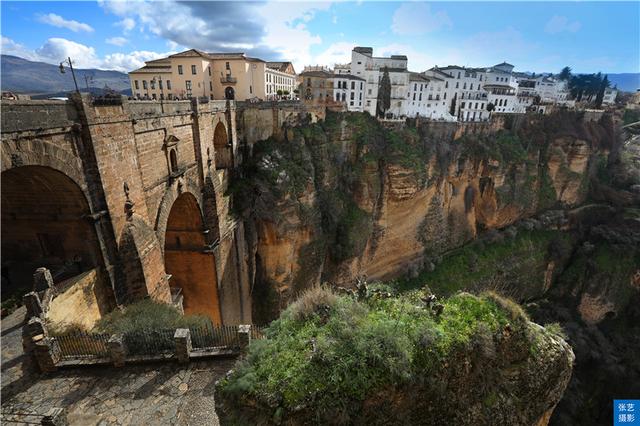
point(147, 315)
point(631, 116)
point(504, 146)
point(327, 352)
point(514, 264)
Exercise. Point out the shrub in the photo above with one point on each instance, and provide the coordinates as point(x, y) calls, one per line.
point(147, 315)
point(556, 329)
point(311, 302)
point(329, 364)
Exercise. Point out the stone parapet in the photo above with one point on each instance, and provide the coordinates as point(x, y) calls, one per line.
point(182, 338)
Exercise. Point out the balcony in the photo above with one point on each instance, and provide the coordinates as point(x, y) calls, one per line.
point(228, 80)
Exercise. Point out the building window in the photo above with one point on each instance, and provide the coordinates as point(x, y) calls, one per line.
point(209, 70)
point(188, 87)
point(136, 84)
point(210, 86)
point(180, 69)
point(458, 74)
point(464, 86)
point(160, 84)
point(144, 84)
point(227, 66)
point(369, 91)
point(446, 84)
point(173, 161)
point(462, 105)
point(457, 84)
point(360, 85)
point(193, 69)
point(169, 84)
point(353, 85)
point(153, 84)
point(250, 89)
point(445, 96)
point(471, 87)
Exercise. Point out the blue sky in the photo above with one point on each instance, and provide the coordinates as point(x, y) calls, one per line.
point(534, 36)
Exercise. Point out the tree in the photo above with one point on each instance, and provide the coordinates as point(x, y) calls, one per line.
point(490, 107)
point(565, 74)
point(452, 108)
point(279, 92)
point(604, 85)
point(384, 94)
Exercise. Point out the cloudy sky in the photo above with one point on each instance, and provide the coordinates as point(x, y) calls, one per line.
point(535, 36)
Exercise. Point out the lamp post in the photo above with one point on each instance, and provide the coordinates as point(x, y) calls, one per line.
point(88, 79)
point(62, 71)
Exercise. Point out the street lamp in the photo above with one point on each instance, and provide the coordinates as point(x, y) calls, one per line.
point(62, 71)
point(88, 79)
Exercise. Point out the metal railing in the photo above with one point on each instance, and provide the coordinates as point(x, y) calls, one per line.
point(150, 342)
point(79, 345)
point(210, 337)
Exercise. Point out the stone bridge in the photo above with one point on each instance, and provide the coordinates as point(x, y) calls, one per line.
point(134, 190)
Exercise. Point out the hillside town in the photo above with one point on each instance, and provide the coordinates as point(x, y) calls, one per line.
point(381, 86)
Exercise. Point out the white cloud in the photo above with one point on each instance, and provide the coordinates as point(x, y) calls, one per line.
point(60, 22)
point(126, 62)
point(56, 50)
point(417, 18)
point(117, 41)
point(337, 53)
point(271, 31)
point(127, 24)
point(10, 47)
point(558, 24)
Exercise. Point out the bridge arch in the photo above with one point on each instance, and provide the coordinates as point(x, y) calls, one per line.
point(222, 147)
point(45, 223)
point(189, 260)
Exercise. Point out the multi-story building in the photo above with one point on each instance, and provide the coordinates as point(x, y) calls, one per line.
point(194, 73)
point(316, 85)
point(349, 90)
point(365, 65)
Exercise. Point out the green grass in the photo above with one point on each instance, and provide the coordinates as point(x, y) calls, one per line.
point(359, 347)
point(522, 260)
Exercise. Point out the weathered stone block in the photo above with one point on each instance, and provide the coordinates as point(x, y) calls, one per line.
point(117, 350)
point(46, 354)
point(182, 338)
point(33, 304)
point(244, 336)
point(42, 279)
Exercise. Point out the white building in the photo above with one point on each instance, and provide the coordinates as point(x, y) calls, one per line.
point(365, 65)
point(349, 89)
point(609, 96)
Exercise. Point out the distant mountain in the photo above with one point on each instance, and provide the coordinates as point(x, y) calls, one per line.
point(629, 82)
point(39, 78)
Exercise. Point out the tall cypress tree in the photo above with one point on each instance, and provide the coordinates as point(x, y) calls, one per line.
point(452, 108)
point(384, 94)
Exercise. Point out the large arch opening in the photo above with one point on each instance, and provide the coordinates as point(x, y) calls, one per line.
point(222, 147)
point(187, 260)
point(45, 224)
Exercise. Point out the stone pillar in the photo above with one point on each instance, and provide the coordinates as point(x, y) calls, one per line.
point(244, 336)
point(46, 353)
point(33, 304)
point(55, 417)
point(117, 350)
point(33, 331)
point(182, 338)
point(42, 279)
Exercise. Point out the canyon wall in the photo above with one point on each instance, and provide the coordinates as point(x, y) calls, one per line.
point(345, 197)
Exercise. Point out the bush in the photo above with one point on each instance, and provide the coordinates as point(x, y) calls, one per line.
point(147, 315)
point(312, 301)
point(328, 363)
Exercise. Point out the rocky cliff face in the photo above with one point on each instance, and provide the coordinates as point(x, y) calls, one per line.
point(347, 197)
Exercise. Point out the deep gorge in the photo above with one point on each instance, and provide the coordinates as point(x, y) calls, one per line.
point(522, 206)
